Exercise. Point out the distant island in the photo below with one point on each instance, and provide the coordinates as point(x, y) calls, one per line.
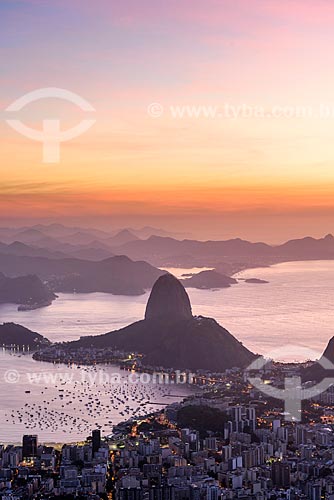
point(213, 280)
point(208, 279)
point(255, 281)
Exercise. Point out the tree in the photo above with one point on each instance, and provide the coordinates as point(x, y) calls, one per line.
point(202, 419)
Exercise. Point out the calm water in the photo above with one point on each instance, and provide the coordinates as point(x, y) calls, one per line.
point(295, 307)
point(290, 315)
point(64, 404)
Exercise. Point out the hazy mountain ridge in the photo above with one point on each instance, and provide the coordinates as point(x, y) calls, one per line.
point(118, 275)
point(21, 249)
point(60, 241)
point(161, 249)
point(190, 253)
point(84, 267)
point(78, 235)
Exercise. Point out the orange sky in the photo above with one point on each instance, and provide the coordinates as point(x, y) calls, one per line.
point(260, 177)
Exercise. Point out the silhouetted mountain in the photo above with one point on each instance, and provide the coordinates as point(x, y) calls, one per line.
point(147, 231)
point(322, 368)
point(55, 230)
point(118, 275)
point(161, 251)
point(6, 233)
point(90, 252)
point(36, 239)
point(121, 238)
point(95, 251)
point(59, 230)
point(24, 290)
point(50, 235)
point(168, 250)
point(226, 257)
point(308, 248)
point(11, 333)
point(21, 249)
point(57, 242)
point(170, 336)
point(29, 236)
point(168, 299)
point(209, 279)
point(78, 238)
point(99, 245)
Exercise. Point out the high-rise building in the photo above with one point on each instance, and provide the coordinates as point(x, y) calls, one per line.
point(210, 443)
point(251, 414)
point(129, 494)
point(283, 434)
point(316, 492)
point(96, 440)
point(236, 413)
point(212, 492)
point(276, 424)
point(300, 435)
point(280, 474)
point(29, 445)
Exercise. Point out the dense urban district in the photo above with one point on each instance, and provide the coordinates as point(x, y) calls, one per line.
point(226, 441)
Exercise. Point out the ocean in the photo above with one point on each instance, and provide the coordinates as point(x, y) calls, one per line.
point(289, 318)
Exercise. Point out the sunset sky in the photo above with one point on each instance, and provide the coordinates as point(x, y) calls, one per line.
point(268, 177)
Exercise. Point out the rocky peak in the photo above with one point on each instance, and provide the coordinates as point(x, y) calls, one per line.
point(168, 300)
